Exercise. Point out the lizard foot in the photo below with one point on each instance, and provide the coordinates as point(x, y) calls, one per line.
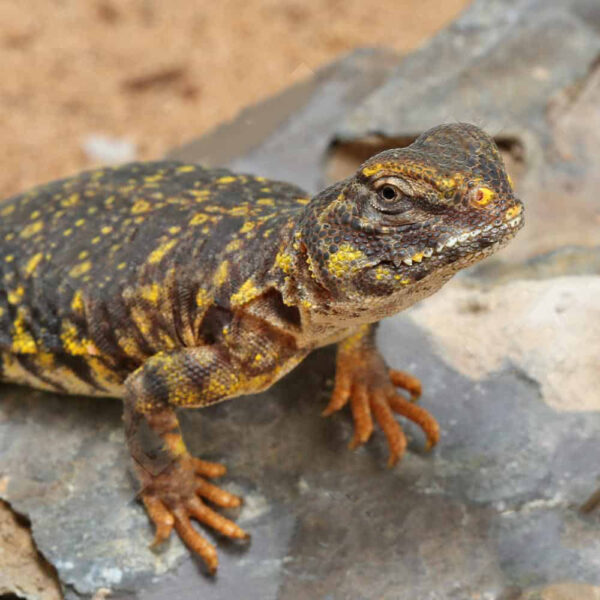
point(364, 380)
point(176, 495)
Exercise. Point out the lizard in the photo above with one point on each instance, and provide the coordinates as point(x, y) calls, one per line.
point(170, 285)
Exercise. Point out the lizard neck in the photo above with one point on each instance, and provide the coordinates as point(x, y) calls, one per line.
point(329, 313)
point(325, 316)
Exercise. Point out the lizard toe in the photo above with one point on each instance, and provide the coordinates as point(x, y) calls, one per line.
point(216, 495)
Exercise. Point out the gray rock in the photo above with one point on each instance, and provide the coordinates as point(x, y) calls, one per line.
point(567, 260)
point(548, 329)
point(497, 65)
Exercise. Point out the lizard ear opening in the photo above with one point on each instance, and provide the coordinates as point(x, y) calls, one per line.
point(290, 315)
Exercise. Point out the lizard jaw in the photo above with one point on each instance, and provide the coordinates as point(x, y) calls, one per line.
point(502, 233)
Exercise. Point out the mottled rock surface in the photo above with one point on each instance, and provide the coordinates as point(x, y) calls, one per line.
point(549, 330)
point(506, 356)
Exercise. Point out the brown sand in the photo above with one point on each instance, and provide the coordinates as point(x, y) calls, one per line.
point(159, 72)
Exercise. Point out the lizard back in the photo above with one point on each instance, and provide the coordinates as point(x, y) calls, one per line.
point(103, 269)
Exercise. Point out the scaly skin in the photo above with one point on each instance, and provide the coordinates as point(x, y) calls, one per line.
point(170, 285)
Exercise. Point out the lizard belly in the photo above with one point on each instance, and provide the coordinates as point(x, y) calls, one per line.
point(45, 372)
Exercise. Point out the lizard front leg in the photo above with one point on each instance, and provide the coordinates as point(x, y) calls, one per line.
point(363, 378)
point(174, 484)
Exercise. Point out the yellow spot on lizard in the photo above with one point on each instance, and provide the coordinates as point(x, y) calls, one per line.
point(33, 263)
point(32, 229)
point(70, 201)
point(382, 272)
point(241, 210)
point(157, 255)
point(80, 269)
point(75, 345)
point(513, 212)
point(77, 303)
point(22, 340)
point(340, 262)
point(283, 261)
point(151, 293)
point(198, 219)
point(15, 296)
point(248, 291)
point(202, 298)
point(221, 273)
point(140, 206)
point(233, 245)
point(402, 281)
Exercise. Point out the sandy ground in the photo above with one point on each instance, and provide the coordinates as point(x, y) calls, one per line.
point(156, 73)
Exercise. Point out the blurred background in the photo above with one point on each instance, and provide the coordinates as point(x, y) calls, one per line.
point(86, 82)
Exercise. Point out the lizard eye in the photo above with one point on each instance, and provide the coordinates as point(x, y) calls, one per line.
point(389, 193)
point(390, 197)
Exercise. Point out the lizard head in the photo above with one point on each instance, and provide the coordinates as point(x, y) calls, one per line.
point(432, 208)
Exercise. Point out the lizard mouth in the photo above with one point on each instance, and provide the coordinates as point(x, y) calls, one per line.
point(469, 242)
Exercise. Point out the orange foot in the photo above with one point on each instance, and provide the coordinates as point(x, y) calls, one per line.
point(174, 496)
point(364, 379)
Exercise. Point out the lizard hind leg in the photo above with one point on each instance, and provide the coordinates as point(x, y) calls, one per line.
point(174, 486)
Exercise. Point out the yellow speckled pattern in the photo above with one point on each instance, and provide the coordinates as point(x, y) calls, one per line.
point(83, 265)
